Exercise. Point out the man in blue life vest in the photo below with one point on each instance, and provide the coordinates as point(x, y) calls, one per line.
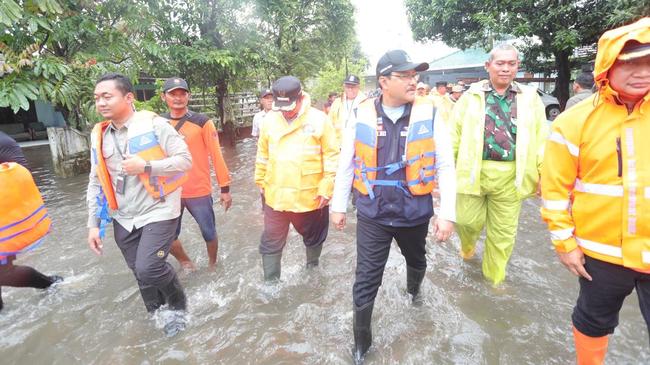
point(138, 165)
point(395, 154)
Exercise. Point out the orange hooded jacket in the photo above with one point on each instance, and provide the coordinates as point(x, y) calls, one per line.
point(596, 171)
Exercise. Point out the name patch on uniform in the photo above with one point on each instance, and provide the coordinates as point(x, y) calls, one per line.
point(381, 133)
point(403, 133)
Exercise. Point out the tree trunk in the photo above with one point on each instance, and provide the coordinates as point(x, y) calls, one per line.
point(563, 76)
point(221, 90)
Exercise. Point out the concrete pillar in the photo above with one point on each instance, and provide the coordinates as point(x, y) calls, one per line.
point(70, 151)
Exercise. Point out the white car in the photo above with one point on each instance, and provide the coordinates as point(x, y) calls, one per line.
point(551, 104)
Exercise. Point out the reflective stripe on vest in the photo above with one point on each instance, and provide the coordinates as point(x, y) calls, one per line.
point(419, 154)
point(24, 221)
point(143, 142)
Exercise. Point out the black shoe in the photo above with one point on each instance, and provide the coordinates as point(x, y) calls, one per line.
point(177, 322)
point(313, 255)
point(361, 326)
point(56, 279)
point(413, 282)
point(272, 264)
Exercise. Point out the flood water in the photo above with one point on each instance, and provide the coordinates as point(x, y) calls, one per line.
point(96, 315)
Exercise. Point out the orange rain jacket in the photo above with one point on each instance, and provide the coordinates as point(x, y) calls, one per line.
point(596, 173)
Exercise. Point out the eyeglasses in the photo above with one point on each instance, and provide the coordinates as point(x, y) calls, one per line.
point(414, 77)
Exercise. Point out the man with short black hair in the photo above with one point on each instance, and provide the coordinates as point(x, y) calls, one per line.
point(581, 88)
point(396, 154)
point(202, 140)
point(343, 109)
point(296, 161)
point(138, 164)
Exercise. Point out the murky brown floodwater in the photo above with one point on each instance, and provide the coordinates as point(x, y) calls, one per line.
point(97, 317)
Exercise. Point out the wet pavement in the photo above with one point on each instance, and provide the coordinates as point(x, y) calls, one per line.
point(97, 317)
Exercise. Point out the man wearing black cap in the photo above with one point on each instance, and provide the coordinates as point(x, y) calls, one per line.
point(343, 108)
point(266, 102)
point(203, 141)
point(295, 166)
point(394, 156)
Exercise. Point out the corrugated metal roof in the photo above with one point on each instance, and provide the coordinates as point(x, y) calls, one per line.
point(470, 57)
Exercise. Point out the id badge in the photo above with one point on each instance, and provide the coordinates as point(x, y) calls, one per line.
point(120, 184)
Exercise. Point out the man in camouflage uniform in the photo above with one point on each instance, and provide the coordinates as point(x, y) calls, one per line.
point(496, 172)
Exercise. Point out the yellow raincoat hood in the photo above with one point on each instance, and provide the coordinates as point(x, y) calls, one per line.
point(611, 43)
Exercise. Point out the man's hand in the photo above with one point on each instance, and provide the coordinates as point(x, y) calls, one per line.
point(575, 262)
point(322, 201)
point(226, 201)
point(442, 229)
point(338, 220)
point(133, 165)
point(94, 242)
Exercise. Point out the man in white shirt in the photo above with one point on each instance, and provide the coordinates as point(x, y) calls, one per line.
point(266, 101)
point(395, 154)
point(343, 109)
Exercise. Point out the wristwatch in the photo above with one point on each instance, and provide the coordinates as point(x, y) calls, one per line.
point(147, 168)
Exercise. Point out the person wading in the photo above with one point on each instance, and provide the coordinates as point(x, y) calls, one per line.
point(138, 164)
point(202, 139)
point(596, 189)
point(394, 155)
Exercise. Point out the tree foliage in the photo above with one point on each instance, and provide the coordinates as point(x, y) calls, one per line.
point(55, 49)
point(551, 29)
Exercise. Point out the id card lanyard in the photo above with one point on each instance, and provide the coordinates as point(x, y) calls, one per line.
point(120, 181)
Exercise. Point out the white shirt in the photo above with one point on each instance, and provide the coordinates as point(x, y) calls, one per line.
point(258, 118)
point(444, 167)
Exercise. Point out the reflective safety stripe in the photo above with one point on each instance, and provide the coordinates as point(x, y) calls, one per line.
point(600, 248)
point(562, 234)
point(599, 189)
point(647, 193)
point(555, 204)
point(558, 138)
point(311, 150)
point(645, 257)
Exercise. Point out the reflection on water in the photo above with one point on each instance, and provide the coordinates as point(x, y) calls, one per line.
point(96, 316)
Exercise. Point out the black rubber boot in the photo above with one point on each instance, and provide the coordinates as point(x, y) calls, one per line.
point(413, 281)
point(313, 254)
point(177, 302)
point(152, 298)
point(362, 332)
point(272, 266)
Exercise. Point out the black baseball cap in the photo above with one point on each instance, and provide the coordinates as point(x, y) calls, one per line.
point(397, 60)
point(352, 80)
point(286, 91)
point(265, 92)
point(174, 83)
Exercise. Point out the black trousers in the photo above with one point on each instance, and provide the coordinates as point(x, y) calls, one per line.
point(312, 226)
point(21, 277)
point(145, 250)
point(373, 247)
point(600, 300)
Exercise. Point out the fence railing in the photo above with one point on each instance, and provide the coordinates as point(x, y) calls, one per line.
point(239, 107)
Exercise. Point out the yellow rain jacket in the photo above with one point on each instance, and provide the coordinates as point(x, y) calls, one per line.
point(445, 106)
point(340, 117)
point(296, 162)
point(468, 121)
point(596, 179)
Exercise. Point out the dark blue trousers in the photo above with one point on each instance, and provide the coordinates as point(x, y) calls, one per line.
point(373, 246)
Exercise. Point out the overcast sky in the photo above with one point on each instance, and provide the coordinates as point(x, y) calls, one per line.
point(382, 25)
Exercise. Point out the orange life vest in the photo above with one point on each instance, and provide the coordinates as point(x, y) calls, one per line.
point(24, 221)
point(419, 154)
point(143, 142)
